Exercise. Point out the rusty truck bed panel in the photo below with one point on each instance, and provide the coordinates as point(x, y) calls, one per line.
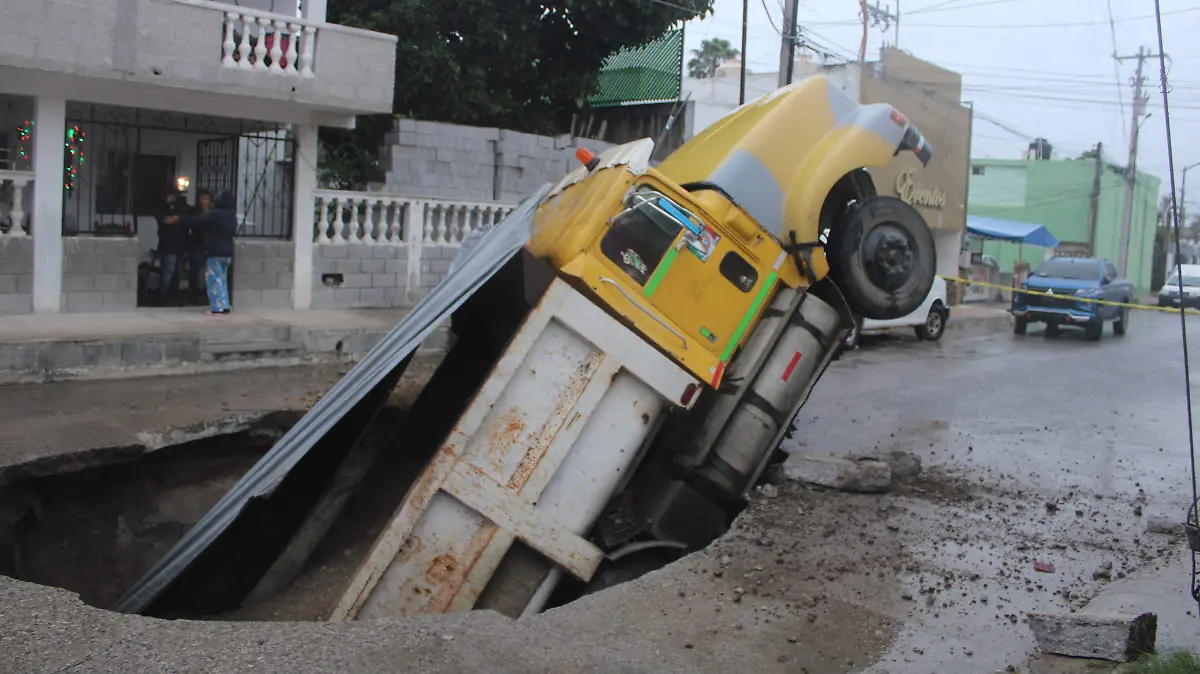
point(538, 452)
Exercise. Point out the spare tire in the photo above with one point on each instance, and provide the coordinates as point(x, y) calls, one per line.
point(881, 254)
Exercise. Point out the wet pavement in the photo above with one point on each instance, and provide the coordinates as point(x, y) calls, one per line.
point(1059, 450)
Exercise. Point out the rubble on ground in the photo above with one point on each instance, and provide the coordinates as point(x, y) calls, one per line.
point(1115, 637)
point(853, 475)
point(1162, 524)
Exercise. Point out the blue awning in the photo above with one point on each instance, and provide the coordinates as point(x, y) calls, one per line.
point(1011, 230)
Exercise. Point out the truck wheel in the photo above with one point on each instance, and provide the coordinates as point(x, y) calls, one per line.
point(934, 327)
point(1095, 330)
point(1122, 323)
point(1020, 326)
point(1052, 330)
point(881, 254)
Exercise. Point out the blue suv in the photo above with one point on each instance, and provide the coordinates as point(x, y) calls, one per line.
point(1067, 280)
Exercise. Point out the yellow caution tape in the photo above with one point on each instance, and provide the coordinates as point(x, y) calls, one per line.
point(1091, 300)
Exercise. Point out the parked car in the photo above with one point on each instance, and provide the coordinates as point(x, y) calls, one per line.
point(928, 320)
point(1067, 280)
point(1169, 295)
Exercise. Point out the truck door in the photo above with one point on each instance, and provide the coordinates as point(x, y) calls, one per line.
point(697, 279)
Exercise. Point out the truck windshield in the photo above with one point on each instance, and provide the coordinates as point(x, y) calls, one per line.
point(1173, 282)
point(638, 240)
point(1079, 271)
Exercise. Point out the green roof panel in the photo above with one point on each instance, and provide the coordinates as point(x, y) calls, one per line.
point(648, 73)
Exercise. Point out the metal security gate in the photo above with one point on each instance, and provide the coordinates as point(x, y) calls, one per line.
point(258, 169)
point(216, 164)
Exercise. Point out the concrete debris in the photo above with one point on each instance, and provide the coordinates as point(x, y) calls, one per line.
point(1161, 524)
point(1115, 637)
point(904, 464)
point(769, 490)
point(774, 474)
point(861, 475)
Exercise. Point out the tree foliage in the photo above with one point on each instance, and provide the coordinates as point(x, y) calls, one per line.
point(517, 64)
point(711, 54)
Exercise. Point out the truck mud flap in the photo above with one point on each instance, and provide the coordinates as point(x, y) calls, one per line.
point(220, 559)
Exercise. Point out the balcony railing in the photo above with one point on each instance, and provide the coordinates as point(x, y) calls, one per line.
point(381, 219)
point(266, 42)
point(12, 203)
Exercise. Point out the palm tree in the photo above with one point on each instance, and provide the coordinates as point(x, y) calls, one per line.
point(711, 54)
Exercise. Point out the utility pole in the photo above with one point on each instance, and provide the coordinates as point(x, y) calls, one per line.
point(1139, 107)
point(787, 47)
point(1095, 210)
point(742, 86)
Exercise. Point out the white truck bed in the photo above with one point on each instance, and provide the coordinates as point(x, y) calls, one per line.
point(552, 434)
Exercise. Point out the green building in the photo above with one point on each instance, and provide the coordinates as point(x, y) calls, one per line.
point(1057, 193)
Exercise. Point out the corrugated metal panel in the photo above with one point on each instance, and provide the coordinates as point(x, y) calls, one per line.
point(649, 73)
point(221, 544)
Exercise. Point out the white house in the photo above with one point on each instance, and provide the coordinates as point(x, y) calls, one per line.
point(105, 104)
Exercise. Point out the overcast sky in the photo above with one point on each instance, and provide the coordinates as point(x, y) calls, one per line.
point(1035, 67)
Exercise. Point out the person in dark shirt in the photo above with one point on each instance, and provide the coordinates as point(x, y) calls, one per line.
point(218, 225)
point(172, 242)
point(195, 249)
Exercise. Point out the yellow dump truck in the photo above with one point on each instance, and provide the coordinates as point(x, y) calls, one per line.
point(629, 349)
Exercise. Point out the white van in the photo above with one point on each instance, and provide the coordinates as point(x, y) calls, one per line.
point(1169, 296)
point(928, 321)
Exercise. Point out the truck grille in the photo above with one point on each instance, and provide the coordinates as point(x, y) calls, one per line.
point(1064, 302)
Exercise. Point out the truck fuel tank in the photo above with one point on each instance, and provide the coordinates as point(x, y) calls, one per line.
point(767, 384)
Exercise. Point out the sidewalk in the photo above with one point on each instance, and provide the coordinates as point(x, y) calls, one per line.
point(54, 347)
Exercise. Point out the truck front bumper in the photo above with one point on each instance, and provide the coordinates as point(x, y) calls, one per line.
point(1055, 315)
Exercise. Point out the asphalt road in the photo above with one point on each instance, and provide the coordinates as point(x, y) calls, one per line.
point(1065, 447)
point(1035, 448)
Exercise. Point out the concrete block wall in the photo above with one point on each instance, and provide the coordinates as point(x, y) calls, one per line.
point(99, 274)
point(262, 275)
point(16, 275)
point(350, 276)
point(431, 159)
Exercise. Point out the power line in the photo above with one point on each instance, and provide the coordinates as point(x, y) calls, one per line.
point(1112, 28)
point(770, 18)
point(1187, 368)
point(1073, 24)
point(932, 7)
point(936, 8)
point(1010, 26)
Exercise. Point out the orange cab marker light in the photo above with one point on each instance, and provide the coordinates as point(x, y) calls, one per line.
point(587, 158)
point(899, 118)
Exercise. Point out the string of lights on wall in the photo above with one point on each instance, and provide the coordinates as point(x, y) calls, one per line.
point(74, 157)
point(72, 160)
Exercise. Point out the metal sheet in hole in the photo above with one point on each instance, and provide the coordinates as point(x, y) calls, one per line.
point(349, 396)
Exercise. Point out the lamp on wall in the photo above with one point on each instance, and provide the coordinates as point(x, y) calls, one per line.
point(183, 183)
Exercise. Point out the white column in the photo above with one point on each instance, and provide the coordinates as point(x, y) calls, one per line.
point(314, 10)
point(302, 227)
point(50, 124)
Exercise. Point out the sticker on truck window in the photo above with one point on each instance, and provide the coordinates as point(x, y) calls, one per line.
point(634, 260)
